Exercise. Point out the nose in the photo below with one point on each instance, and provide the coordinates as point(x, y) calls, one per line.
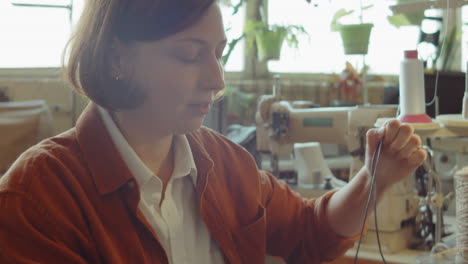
point(214, 75)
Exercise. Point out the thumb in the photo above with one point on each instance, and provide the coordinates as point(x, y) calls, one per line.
point(373, 137)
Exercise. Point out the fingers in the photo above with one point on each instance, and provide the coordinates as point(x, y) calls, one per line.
point(417, 158)
point(412, 145)
point(397, 136)
point(391, 131)
point(373, 137)
point(401, 141)
point(403, 136)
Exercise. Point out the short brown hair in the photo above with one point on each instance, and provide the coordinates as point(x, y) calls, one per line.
point(88, 69)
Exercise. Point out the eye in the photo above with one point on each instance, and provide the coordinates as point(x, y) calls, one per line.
point(188, 58)
point(187, 55)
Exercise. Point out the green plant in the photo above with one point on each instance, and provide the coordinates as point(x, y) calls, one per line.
point(235, 7)
point(290, 32)
point(269, 38)
point(405, 19)
point(336, 22)
point(396, 20)
point(355, 35)
point(449, 51)
point(255, 29)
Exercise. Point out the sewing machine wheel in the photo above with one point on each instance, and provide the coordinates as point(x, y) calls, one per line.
point(445, 163)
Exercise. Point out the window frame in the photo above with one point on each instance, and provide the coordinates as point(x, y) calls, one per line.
point(252, 67)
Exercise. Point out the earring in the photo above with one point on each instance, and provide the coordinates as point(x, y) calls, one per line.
point(117, 76)
point(116, 69)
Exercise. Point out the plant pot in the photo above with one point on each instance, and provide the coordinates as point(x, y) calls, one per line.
point(406, 19)
point(355, 38)
point(400, 20)
point(412, 18)
point(269, 44)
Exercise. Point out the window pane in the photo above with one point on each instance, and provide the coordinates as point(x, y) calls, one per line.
point(464, 43)
point(234, 25)
point(32, 36)
point(323, 52)
point(36, 37)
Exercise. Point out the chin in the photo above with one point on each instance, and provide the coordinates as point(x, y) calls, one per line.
point(189, 126)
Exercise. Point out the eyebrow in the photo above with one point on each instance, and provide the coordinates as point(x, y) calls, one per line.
point(200, 41)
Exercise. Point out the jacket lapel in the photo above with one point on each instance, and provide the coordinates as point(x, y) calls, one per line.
point(210, 208)
point(108, 169)
point(99, 152)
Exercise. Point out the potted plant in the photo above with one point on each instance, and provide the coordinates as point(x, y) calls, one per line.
point(269, 39)
point(355, 36)
point(405, 19)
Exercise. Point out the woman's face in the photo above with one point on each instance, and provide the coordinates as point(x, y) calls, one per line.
point(178, 75)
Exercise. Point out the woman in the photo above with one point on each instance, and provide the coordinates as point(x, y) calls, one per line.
point(138, 180)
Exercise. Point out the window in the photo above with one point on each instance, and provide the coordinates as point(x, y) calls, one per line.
point(323, 52)
point(234, 25)
point(34, 37)
point(464, 43)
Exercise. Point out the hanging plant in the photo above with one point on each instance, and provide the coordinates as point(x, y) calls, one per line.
point(269, 38)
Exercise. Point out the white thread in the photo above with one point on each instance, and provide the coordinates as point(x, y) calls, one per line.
point(461, 203)
point(372, 193)
point(411, 89)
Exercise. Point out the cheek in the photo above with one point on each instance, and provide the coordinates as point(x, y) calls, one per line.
point(166, 91)
point(166, 84)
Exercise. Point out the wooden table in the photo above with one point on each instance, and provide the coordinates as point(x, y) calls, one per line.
point(406, 256)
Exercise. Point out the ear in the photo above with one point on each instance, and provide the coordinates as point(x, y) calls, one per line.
point(118, 57)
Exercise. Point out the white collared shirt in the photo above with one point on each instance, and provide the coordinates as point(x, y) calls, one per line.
point(177, 222)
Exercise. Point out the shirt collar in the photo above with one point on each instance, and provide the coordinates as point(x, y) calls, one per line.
point(106, 165)
point(184, 162)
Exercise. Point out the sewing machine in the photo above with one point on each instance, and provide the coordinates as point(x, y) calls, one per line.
point(281, 124)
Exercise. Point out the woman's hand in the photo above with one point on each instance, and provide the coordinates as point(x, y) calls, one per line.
point(400, 156)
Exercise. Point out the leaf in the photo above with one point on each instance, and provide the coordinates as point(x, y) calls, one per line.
point(237, 7)
point(339, 14)
point(448, 53)
point(367, 7)
point(251, 27)
point(231, 45)
point(398, 20)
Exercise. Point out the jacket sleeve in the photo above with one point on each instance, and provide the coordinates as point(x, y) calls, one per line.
point(28, 234)
point(297, 228)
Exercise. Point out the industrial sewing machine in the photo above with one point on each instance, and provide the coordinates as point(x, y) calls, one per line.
point(404, 218)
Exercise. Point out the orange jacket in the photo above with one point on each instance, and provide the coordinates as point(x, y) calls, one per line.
point(71, 199)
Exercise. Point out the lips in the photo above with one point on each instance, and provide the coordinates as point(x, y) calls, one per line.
point(200, 108)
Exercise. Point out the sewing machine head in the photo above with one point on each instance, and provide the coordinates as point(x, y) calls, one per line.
point(280, 126)
point(411, 211)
